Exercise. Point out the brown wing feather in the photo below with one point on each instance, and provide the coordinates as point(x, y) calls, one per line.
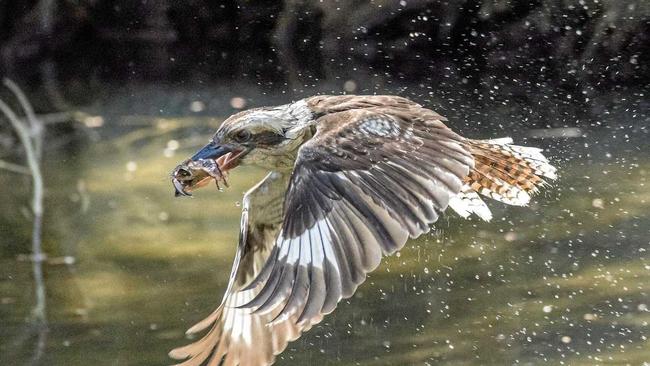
point(235, 336)
point(323, 105)
point(368, 180)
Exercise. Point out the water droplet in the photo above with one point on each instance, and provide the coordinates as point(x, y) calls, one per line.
point(131, 166)
point(197, 106)
point(238, 102)
point(547, 308)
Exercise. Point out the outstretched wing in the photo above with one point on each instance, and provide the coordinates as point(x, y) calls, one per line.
point(237, 337)
point(367, 181)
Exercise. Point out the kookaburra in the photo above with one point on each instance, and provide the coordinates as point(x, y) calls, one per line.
point(351, 179)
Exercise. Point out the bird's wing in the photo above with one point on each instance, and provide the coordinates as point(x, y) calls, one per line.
point(367, 181)
point(237, 337)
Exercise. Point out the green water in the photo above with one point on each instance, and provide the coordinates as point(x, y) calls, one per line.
point(565, 281)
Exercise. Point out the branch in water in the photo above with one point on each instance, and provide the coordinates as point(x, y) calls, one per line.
point(30, 134)
point(36, 127)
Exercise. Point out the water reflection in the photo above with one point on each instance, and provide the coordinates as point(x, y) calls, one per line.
point(564, 281)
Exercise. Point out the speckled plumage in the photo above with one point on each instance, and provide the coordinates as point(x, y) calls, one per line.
point(352, 178)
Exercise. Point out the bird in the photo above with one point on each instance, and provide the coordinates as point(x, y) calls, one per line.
point(350, 179)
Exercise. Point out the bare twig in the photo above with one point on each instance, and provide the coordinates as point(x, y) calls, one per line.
point(31, 136)
point(36, 128)
point(14, 168)
point(58, 117)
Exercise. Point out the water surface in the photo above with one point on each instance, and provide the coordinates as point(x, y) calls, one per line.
point(564, 281)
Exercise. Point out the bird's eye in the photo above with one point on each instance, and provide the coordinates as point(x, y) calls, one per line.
point(242, 136)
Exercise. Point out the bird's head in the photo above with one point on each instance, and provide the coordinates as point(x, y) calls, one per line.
point(266, 137)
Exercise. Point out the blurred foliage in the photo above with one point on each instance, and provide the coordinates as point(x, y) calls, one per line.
point(575, 43)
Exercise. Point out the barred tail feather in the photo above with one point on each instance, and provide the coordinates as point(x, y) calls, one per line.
point(468, 202)
point(504, 172)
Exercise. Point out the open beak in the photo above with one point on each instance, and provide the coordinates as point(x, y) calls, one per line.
point(210, 163)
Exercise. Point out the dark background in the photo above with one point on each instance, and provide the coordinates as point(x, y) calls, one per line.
point(566, 49)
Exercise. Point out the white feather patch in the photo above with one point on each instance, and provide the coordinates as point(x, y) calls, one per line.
point(380, 126)
point(537, 161)
point(468, 202)
point(500, 141)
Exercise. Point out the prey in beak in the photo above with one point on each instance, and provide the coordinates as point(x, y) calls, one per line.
point(210, 163)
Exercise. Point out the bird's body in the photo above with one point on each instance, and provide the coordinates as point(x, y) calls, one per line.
point(351, 179)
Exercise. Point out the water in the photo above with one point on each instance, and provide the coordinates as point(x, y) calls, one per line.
point(565, 281)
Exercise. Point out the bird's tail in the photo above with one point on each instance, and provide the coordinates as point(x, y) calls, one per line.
point(504, 172)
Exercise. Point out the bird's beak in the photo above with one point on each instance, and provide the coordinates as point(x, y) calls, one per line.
point(211, 151)
point(211, 162)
